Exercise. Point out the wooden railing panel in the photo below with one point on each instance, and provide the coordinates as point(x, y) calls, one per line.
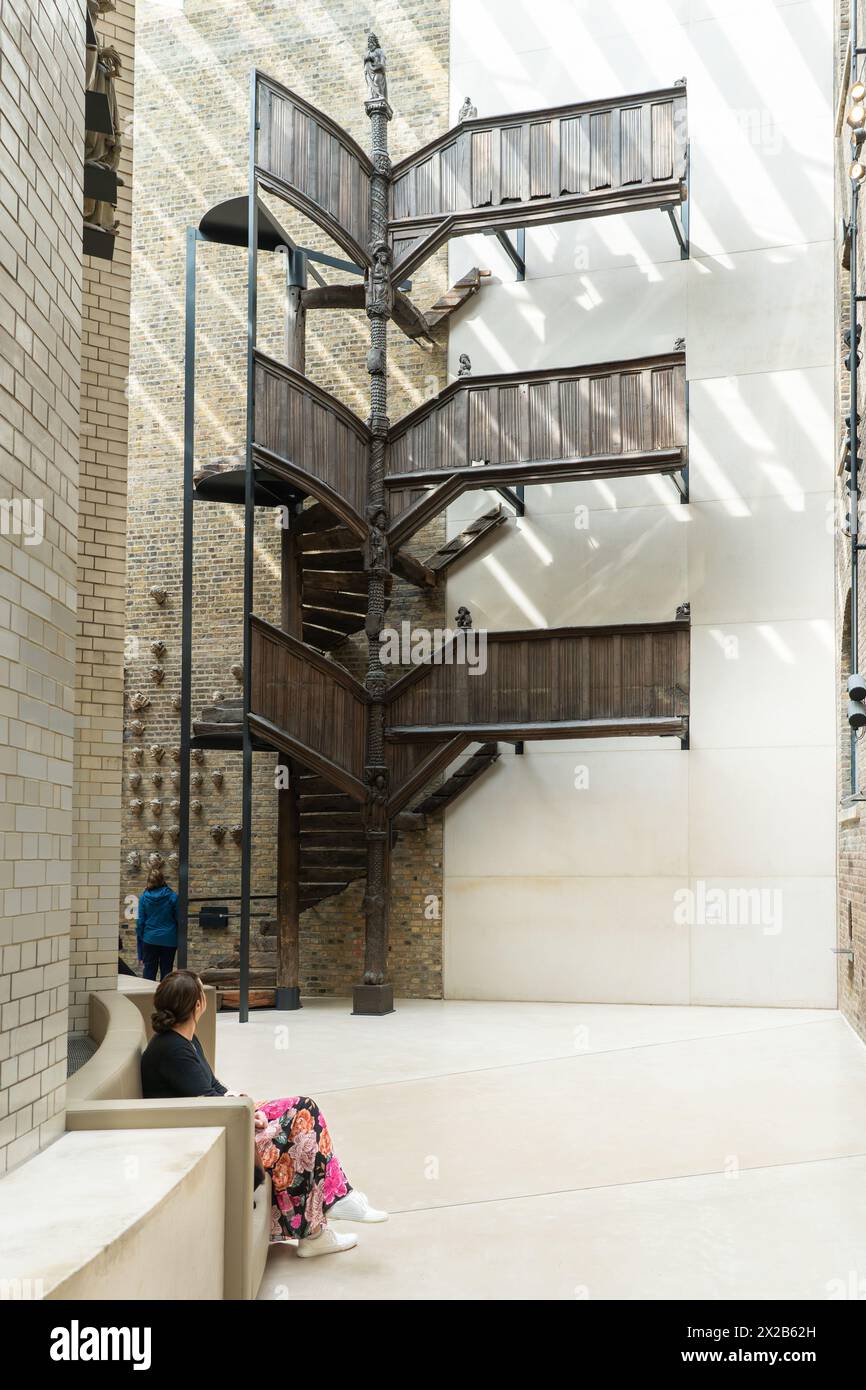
point(635, 407)
point(308, 698)
point(312, 430)
point(570, 674)
point(540, 166)
point(319, 168)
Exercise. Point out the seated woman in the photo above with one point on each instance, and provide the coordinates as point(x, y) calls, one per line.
point(292, 1139)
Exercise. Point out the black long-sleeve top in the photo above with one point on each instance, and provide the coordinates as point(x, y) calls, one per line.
point(171, 1065)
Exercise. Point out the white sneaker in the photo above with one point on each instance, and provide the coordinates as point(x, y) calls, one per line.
point(327, 1242)
point(355, 1207)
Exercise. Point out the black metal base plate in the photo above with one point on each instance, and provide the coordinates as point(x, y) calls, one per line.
point(373, 999)
point(288, 998)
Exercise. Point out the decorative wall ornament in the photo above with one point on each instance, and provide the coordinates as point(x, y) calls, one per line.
point(156, 806)
point(157, 752)
point(237, 670)
point(156, 833)
point(463, 619)
point(679, 344)
point(196, 779)
point(197, 755)
point(464, 364)
point(136, 754)
point(174, 807)
point(158, 648)
point(175, 752)
point(196, 807)
point(468, 112)
point(217, 777)
point(177, 704)
point(218, 833)
point(156, 779)
point(237, 833)
point(133, 860)
point(136, 805)
point(175, 778)
point(684, 612)
point(136, 728)
point(174, 833)
point(157, 675)
point(138, 700)
point(159, 596)
point(174, 860)
point(155, 860)
point(135, 780)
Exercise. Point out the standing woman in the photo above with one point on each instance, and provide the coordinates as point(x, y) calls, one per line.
point(156, 929)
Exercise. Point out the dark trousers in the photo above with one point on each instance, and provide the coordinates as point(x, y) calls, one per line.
point(157, 958)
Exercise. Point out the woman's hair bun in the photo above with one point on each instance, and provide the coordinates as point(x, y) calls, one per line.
point(162, 1020)
point(175, 1000)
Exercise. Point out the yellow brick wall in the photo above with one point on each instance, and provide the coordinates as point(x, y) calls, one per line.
point(41, 174)
point(102, 574)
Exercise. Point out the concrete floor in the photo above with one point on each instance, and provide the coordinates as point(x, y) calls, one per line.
point(563, 1151)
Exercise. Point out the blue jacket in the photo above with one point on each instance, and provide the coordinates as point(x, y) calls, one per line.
point(157, 917)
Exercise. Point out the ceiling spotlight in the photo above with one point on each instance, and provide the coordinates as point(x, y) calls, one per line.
point(856, 117)
point(858, 91)
point(857, 172)
point(857, 688)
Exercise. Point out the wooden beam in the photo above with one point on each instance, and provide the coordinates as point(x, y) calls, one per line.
point(654, 727)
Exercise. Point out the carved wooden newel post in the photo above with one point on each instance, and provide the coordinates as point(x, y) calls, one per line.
point(374, 996)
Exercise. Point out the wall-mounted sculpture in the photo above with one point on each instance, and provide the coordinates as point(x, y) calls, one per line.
point(136, 754)
point(175, 777)
point(135, 780)
point(464, 364)
point(133, 861)
point(197, 755)
point(156, 778)
point(158, 648)
point(174, 860)
point(175, 753)
point(157, 752)
point(217, 777)
point(155, 860)
point(174, 807)
point(135, 727)
point(468, 112)
point(159, 596)
point(136, 805)
point(138, 701)
point(156, 806)
point(218, 833)
point(196, 779)
point(237, 833)
point(174, 833)
point(237, 670)
point(195, 806)
point(157, 674)
point(156, 833)
point(177, 704)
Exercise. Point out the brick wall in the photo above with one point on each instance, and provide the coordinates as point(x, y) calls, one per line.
point(41, 172)
point(191, 146)
point(101, 575)
point(852, 810)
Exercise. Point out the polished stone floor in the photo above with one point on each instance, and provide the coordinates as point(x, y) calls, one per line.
point(564, 1151)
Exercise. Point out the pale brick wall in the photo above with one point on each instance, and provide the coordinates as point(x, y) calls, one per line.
point(191, 147)
point(42, 140)
point(102, 575)
point(851, 837)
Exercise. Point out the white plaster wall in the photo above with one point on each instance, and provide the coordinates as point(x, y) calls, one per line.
point(557, 893)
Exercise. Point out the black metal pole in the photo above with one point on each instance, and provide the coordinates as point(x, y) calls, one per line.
point(186, 596)
point(249, 538)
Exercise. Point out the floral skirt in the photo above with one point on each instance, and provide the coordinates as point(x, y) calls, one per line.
point(306, 1176)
